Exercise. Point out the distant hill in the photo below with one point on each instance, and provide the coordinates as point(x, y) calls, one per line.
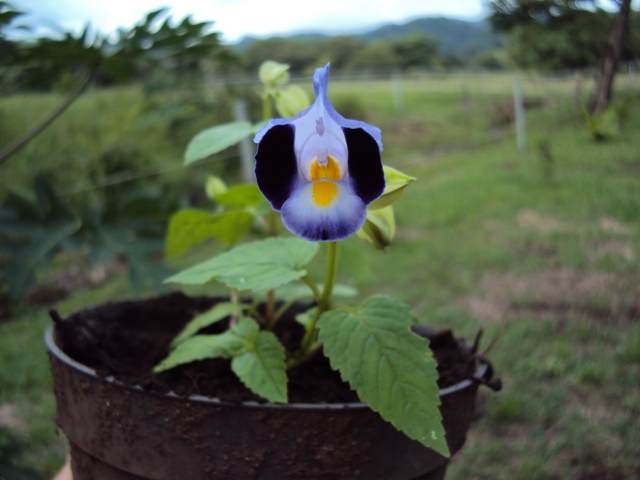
point(457, 37)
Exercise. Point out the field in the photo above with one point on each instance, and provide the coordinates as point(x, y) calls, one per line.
point(538, 248)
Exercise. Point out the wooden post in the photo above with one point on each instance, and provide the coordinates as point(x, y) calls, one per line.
point(246, 147)
point(518, 103)
point(466, 108)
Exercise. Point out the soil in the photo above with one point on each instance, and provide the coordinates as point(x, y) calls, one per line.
point(97, 339)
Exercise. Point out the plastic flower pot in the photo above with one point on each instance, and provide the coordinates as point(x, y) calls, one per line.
point(123, 432)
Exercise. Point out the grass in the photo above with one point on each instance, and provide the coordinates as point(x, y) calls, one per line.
point(487, 238)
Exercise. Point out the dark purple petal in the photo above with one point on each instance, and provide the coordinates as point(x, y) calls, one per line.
point(276, 168)
point(365, 165)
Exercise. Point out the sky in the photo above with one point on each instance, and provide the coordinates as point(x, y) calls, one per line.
point(235, 19)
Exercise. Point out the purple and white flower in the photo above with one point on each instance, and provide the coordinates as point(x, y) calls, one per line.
point(319, 169)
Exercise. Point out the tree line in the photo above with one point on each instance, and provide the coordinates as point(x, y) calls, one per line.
point(537, 34)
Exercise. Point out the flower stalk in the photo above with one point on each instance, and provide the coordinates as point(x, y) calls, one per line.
point(310, 337)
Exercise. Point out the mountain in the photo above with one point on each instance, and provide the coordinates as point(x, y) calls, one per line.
point(457, 37)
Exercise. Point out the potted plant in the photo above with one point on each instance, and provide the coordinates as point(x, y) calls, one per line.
point(234, 387)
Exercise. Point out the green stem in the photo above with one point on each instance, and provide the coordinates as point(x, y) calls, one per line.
point(233, 296)
point(283, 308)
point(312, 285)
point(270, 309)
point(266, 107)
point(330, 279)
point(325, 300)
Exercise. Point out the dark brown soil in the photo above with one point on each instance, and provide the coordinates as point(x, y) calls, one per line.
point(127, 340)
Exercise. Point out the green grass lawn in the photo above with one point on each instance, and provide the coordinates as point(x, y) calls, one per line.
point(548, 262)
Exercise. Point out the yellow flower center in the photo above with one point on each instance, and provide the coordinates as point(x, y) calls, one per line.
point(330, 171)
point(324, 191)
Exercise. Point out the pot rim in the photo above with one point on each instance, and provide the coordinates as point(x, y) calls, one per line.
point(481, 370)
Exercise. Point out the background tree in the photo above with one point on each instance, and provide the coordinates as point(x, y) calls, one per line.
point(298, 54)
point(417, 50)
point(609, 61)
point(339, 50)
point(551, 34)
point(7, 47)
point(378, 56)
point(566, 34)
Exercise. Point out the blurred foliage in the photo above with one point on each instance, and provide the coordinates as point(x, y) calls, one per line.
point(558, 34)
point(347, 53)
point(12, 447)
point(157, 43)
point(36, 224)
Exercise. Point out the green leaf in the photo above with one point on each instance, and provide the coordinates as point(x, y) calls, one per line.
point(245, 195)
point(258, 358)
point(219, 312)
point(230, 227)
point(391, 368)
point(216, 139)
point(396, 182)
point(215, 186)
point(256, 266)
point(379, 228)
point(273, 73)
point(261, 366)
point(27, 259)
point(189, 228)
point(200, 347)
point(291, 100)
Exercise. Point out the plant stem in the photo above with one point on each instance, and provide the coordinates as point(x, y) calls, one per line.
point(266, 106)
point(312, 285)
point(325, 300)
point(270, 308)
point(330, 278)
point(233, 296)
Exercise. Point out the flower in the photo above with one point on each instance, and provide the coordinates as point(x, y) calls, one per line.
point(319, 169)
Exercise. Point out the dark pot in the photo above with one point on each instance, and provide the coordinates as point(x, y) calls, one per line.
point(122, 432)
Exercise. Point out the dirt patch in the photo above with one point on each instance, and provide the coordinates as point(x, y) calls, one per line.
point(556, 293)
point(612, 225)
point(533, 220)
point(616, 248)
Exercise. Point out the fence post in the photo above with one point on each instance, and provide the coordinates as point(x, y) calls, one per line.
point(466, 107)
point(518, 103)
point(246, 148)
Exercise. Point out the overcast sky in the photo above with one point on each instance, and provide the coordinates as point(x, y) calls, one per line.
point(237, 18)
